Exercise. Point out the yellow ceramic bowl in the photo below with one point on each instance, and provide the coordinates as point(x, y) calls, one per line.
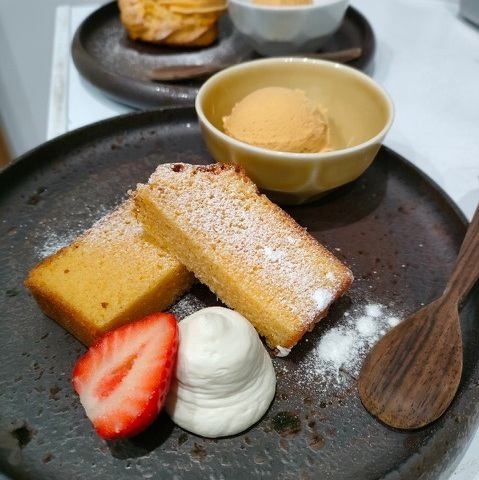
point(359, 112)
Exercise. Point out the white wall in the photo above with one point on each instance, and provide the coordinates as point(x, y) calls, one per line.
point(26, 36)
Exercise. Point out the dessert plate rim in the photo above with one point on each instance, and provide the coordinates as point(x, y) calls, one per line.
point(445, 444)
point(140, 93)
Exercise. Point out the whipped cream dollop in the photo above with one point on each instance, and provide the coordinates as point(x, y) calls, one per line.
point(224, 380)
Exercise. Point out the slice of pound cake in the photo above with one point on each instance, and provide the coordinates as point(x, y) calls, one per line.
point(251, 253)
point(108, 276)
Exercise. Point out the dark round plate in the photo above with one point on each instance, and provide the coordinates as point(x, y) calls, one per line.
point(396, 229)
point(106, 57)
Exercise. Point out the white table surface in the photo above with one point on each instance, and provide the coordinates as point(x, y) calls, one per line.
point(427, 58)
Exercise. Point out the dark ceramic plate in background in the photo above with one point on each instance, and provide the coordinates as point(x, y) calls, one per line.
point(399, 233)
point(106, 57)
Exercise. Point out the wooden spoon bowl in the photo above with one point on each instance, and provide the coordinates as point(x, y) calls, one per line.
point(411, 375)
point(415, 377)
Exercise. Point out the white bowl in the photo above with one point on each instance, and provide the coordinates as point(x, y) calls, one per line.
point(283, 30)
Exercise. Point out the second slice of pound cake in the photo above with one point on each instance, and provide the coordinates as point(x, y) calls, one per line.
point(108, 276)
point(248, 251)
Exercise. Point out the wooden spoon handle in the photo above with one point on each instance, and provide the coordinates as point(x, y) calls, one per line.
point(466, 271)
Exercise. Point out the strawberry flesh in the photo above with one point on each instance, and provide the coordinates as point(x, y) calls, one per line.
point(123, 379)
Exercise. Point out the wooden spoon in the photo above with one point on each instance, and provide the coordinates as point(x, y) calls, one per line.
point(411, 375)
point(184, 72)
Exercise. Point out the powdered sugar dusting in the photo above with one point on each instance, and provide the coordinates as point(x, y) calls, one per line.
point(186, 305)
point(331, 277)
point(119, 225)
point(273, 255)
point(374, 310)
point(336, 347)
point(366, 326)
point(323, 297)
point(54, 240)
point(282, 351)
point(393, 321)
point(225, 213)
point(336, 358)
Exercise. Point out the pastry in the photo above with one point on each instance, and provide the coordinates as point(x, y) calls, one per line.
point(183, 23)
point(248, 251)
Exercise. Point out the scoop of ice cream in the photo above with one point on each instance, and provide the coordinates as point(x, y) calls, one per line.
point(279, 119)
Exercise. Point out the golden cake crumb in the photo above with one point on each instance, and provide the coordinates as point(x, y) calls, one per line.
point(248, 251)
point(108, 276)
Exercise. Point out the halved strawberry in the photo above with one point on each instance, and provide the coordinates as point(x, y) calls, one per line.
point(124, 377)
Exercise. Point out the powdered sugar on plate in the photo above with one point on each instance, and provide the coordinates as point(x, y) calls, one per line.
point(186, 305)
point(393, 321)
point(366, 326)
point(374, 310)
point(335, 360)
point(52, 240)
